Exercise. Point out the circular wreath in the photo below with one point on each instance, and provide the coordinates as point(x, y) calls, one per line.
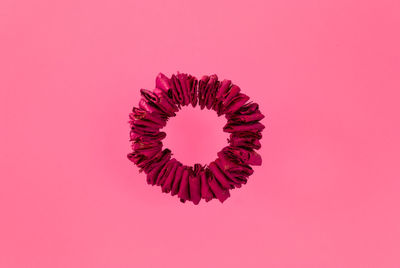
point(230, 170)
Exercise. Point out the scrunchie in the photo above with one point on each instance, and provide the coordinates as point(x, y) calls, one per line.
point(230, 170)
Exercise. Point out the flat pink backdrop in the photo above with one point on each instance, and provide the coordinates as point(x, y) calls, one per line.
point(325, 73)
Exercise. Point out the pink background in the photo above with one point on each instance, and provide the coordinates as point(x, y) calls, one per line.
point(325, 73)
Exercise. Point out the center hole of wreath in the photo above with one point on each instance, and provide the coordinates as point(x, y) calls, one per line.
point(195, 135)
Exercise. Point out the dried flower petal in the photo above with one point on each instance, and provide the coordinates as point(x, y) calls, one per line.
point(184, 193)
point(221, 193)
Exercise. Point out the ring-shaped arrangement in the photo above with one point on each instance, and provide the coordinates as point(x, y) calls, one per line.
point(232, 167)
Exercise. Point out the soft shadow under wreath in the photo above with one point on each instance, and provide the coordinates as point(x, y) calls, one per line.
point(232, 167)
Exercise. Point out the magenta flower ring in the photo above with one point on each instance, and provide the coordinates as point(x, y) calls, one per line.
point(232, 167)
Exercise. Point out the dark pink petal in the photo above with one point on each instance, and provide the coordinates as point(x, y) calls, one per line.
point(247, 113)
point(248, 108)
point(220, 193)
point(167, 185)
point(143, 130)
point(230, 94)
point(148, 152)
point(238, 101)
point(224, 87)
point(230, 168)
point(139, 114)
point(251, 143)
point(224, 100)
point(211, 91)
point(155, 167)
point(153, 174)
point(205, 188)
point(241, 172)
point(246, 134)
point(145, 124)
point(197, 169)
point(166, 100)
point(160, 159)
point(151, 108)
point(163, 175)
point(222, 90)
point(160, 102)
point(176, 91)
point(163, 82)
point(233, 181)
point(226, 160)
point(147, 138)
point(254, 159)
point(145, 158)
point(183, 193)
point(242, 155)
point(177, 180)
point(238, 119)
point(202, 90)
point(195, 184)
point(234, 165)
point(185, 88)
point(192, 85)
point(135, 157)
point(231, 127)
point(220, 176)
